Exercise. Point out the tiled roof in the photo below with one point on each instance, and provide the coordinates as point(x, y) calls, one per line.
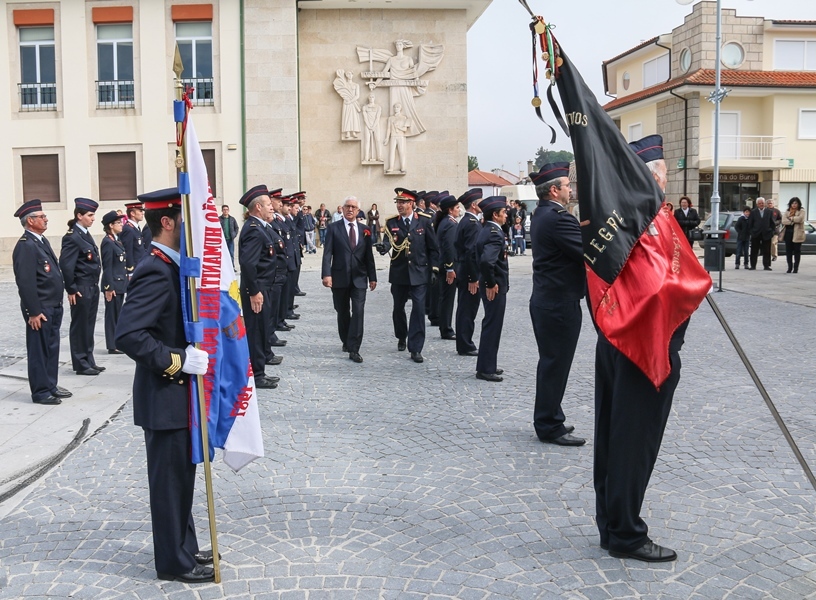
point(477, 178)
point(789, 22)
point(706, 77)
point(635, 49)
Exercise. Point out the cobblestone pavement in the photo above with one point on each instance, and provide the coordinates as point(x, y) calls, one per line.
point(396, 480)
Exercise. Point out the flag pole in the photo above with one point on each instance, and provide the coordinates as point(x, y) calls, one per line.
point(181, 163)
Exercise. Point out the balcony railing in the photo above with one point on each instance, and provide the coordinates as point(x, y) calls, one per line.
point(37, 96)
point(202, 93)
point(744, 147)
point(115, 94)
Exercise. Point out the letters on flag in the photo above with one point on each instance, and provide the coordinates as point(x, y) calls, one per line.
point(229, 384)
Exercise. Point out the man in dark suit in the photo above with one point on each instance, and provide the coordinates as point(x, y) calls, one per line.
point(151, 332)
point(761, 226)
point(491, 246)
point(559, 283)
point(414, 255)
point(467, 272)
point(348, 267)
point(687, 217)
point(40, 285)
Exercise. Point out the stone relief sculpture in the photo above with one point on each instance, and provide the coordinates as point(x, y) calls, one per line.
point(395, 133)
point(372, 150)
point(350, 93)
point(402, 75)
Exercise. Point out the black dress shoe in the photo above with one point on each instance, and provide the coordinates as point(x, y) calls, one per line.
point(275, 360)
point(417, 357)
point(205, 558)
point(355, 356)
point(293, 316)
point(49, 400)
point(648, 552)
point(61, 392)
point(450, 336)
point(199, 574)
point(767, 269)
point(279, 343)
point(300, 293)
point(489, 377)
point(570, 429)
point(88, 372)
point(499, 371)
point(566, 440)
point(264, 383)
point(115, 351)
point(469, 353)
point(401, 345)
point(345, 348)
point(98, 368)
point(272, 378)
point(294, 306)
point(283, 329)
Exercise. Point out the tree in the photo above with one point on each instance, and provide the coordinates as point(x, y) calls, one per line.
point(473, 163)
point(545, 157)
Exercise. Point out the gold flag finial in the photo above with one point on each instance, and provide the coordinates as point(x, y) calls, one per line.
point(178, 65)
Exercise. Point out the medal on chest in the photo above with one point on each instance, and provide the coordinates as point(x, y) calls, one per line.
point(47, 267)
point(90, 255)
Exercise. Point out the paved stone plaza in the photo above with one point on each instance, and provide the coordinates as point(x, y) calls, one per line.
point(396, 480)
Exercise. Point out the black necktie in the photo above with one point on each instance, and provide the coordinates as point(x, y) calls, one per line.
point(407, 223)
point(352, 236)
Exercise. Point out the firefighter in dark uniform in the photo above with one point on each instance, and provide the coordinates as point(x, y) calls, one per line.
point(300, 224)
point(414, 255)
point(294, 255)
point(40, 285)
point(445, 226)
point(630, 418)
point(491, 247)
point(275, 231)
point(151, 332)
point(467, 272)
point(131, 236)
point(559, 283)
point(432, 294)
point(257, 257)
point(114, 276)
point(281, 226)
point(81, 266)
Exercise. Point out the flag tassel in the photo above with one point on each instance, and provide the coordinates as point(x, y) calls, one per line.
point(181, 162)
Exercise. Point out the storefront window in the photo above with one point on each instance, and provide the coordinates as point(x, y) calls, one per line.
point(733, 196)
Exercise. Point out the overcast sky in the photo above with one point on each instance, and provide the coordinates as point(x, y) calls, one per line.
point(503, 128)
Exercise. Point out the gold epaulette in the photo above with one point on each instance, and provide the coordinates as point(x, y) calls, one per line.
point(175, 365)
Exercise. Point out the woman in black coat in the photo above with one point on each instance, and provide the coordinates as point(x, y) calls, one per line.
point(687, 217)
point(114, 279)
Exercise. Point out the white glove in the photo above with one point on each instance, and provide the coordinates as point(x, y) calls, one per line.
point(196, 361)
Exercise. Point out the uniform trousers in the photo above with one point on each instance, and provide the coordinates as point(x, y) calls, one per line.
point(42, 347)
point(112, 310)
point(295, 289)
point(349, 302)
point(171, 477)
point(81, 331)
point(415, 332)
point(630, 418)
point(283, 303)
point(759, 245)
point(447, 296)
point(492, 325)
point(257, 332)
point(466, 311)
point(556, 325)
point(274, 313)
point(432, 302)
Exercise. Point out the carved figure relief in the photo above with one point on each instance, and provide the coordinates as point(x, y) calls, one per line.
point(402, 75)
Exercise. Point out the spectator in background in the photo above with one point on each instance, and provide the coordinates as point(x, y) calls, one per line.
point(519, 246)
point(776, 219)
point(762, 230)
point(373, 223)
point(338, 215)
point(743, 237)
point(522, 214)
point(230, 227)
point(309, 224)
point(794, 234)
point(688, 218)
point(323, 217)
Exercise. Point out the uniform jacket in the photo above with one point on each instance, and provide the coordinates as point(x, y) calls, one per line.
point(558, 255)
point(687, 223)
point(147, 238)
point(257, 256)
point(492, 251)
point(133, 242)
point(446, 238)
point(38, 275)
point(151, 332)
point(281, 262)
point(411, 265)
point(290, 238)
point(761, 226)
point(114, 277)
point(797, 220)
point(467, 260)
point(347, 267)
point(79, 260)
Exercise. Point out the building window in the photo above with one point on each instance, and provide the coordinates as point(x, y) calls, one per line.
point(195, 46)
point(626, 79)
point(635, 132)
point(209, 165)
point(38, 76)
point(41, 177)
point(656, 71)
point(114, 53)
point(117, 175)
point(732, 55)
point(795, 55)
point(685, 60)
point(807, 124)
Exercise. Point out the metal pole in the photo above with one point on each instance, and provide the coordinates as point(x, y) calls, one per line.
point(717, 97)
point(202, 401)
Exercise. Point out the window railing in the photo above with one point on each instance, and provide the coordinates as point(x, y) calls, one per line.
point(202, 93)
point(115, 94)
point(37, 96)
point(744, 147)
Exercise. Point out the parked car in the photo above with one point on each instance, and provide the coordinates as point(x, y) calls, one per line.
point(729, 219)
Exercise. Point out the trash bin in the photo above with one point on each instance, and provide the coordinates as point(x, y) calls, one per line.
point(714, 251)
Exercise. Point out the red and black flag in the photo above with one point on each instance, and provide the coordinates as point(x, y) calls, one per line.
point(643, 278)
